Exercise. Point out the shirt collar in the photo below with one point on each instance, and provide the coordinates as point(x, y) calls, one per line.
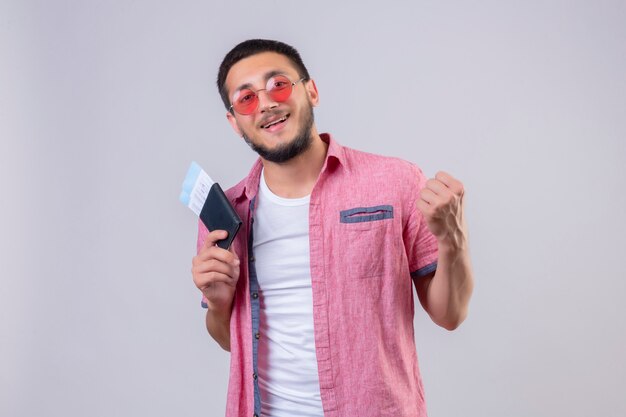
point(335, 152)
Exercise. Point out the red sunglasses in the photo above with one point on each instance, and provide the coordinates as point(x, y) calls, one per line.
point(279, 89)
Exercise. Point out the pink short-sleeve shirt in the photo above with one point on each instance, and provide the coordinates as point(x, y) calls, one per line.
point(368, 242)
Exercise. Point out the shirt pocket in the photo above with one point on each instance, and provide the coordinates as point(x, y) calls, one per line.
point(365, 218)
point(365, 236)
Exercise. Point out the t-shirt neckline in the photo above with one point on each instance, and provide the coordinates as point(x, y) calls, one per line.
point(291, 202)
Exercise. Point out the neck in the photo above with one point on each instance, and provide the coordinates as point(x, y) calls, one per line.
point(297, 177)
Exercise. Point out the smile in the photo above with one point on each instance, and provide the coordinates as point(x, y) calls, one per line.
point(275, 122)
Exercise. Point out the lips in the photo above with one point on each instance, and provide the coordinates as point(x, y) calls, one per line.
point(274, 121)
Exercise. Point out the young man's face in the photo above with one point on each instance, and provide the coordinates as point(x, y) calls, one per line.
point(276, 142)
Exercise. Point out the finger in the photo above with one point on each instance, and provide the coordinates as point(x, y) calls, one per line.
point(223, 255)
point(214, 236)
point(213, 265)
point(445, 178)
point(217, 253)
point(428, 196)
point(207, 279)
point(424, 207)
point(436, 186)
point(452, 183)
point(235, 257)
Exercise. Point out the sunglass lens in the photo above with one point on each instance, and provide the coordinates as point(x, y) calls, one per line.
point(279, 88)
point(245, 102)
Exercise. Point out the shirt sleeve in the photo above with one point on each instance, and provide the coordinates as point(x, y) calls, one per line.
point(420, 244)
point(202, 233)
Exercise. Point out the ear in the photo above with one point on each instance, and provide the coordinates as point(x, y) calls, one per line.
point(233, 123)
point(311, 90)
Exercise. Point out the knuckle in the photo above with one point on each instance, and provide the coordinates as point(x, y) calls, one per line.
point(213, 265)
point(212, 276)
point(212, 252)
point(228, 257)
point(203, 254)
point(197, 280)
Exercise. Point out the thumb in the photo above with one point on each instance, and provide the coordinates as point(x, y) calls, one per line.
point(214, 236)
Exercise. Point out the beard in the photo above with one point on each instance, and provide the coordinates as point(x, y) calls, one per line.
point(289, 150)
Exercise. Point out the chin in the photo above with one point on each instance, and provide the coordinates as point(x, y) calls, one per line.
point(290, 141)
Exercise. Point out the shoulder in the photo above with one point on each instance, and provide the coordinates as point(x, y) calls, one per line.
point(389, 167)
point(238, 191)
point(234, 192)
point(385, 178)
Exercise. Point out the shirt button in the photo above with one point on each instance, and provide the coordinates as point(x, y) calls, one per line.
point(252, 259)
point(255, 415)
point(257, 335)
point(254, 376)
point(255, 295)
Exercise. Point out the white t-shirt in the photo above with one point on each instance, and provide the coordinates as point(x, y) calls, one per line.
point(287, 365)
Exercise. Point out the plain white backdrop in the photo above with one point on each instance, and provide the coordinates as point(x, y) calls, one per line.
point(103, 104)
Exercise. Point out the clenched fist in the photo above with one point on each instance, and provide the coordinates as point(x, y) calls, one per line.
point(441, 203)
point(215, 272)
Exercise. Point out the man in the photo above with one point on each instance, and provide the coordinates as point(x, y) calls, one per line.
point(314, 299)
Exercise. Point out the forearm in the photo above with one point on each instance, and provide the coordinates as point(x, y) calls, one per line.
point(218, 325)
point(451, 288)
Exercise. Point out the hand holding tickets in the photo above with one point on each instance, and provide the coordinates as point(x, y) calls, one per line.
point(215, 269)
point(215, 272)
point(206, 198)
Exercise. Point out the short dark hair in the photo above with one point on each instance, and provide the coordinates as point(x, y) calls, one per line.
point(253, 47)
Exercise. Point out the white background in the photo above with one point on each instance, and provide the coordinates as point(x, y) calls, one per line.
point(103, 104)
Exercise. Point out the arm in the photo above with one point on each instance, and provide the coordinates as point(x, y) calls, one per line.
point(218, 325)
point(445, 294)
point(215, 272)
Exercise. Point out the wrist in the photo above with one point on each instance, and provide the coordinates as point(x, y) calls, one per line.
point(220, 308)
point(453, 243)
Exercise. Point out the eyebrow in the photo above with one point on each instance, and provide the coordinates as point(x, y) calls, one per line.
point(266, 77)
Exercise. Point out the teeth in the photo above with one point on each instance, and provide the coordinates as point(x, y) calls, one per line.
point(282, 119)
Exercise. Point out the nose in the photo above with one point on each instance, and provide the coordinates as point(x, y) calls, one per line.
point(265, 101)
